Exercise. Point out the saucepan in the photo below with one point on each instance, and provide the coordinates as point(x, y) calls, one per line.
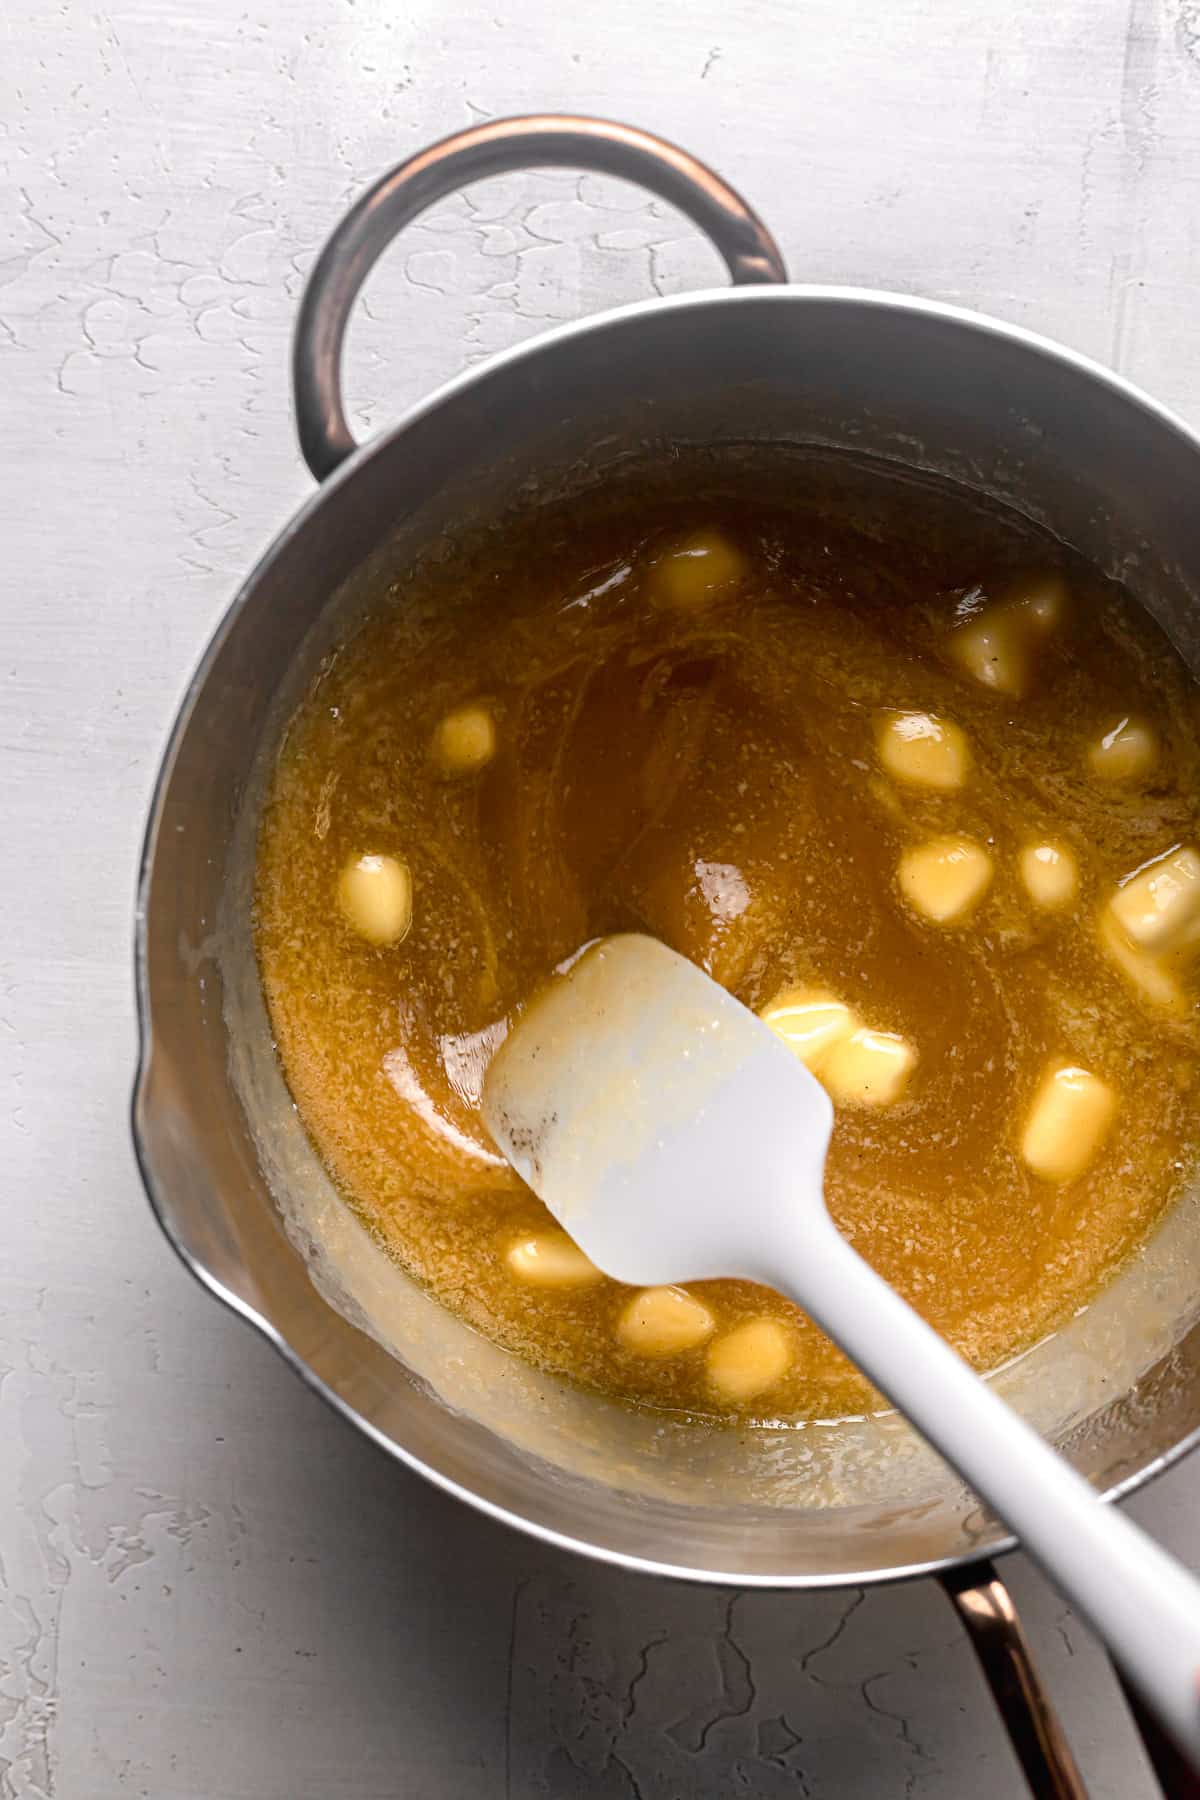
point(230, 1174)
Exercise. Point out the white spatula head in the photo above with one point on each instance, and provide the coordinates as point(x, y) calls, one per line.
point(668, 1130)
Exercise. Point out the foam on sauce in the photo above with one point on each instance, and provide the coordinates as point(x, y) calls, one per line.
point(660, 708)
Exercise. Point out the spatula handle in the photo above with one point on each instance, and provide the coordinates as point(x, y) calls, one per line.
point(1138, 1598)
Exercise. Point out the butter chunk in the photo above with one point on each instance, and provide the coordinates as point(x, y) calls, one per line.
point(1126, 753)
point(995, 647)
point(664, 1321)
point(1049, 871)
point(1067, 1123)
point(1158, 908)
point(549, 1259)
point(810, 1023)
point(697, 568)
point(375, 897)
point(946, 878)
point(869, 1068)
point(744, 1362)
point(993, 651)
point(464, 741)
point(923, 750)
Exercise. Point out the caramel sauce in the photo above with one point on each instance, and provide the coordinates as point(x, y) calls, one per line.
point(706, 770)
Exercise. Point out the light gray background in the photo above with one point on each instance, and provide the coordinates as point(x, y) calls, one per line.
point(208, 1586)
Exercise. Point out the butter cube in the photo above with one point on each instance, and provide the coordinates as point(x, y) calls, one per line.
point(664, 1321)
point(1068, 1121)
point(1050, 873)
point(1158, 908)
point(549, 1259)
point(995, 646)
point(464, 741)
point(375, 897)
point(744, 1362)
point(868, 1068)
point(1126, 753)
point(697, 568)
point(993, 652)
point(809, 1022)
point(946, 878)
point(923, 750)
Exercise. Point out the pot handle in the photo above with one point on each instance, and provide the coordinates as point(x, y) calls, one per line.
point(985, 1609)
point(541, 140)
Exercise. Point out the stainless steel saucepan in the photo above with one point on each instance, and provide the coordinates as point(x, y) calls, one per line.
point(229, 1171)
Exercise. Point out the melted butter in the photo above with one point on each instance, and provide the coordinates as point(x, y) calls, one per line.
point(708, 772)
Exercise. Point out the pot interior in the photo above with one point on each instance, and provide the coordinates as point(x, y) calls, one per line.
point(236, 1183)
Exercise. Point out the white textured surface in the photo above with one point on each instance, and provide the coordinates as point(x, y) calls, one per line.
point(208, 1587)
